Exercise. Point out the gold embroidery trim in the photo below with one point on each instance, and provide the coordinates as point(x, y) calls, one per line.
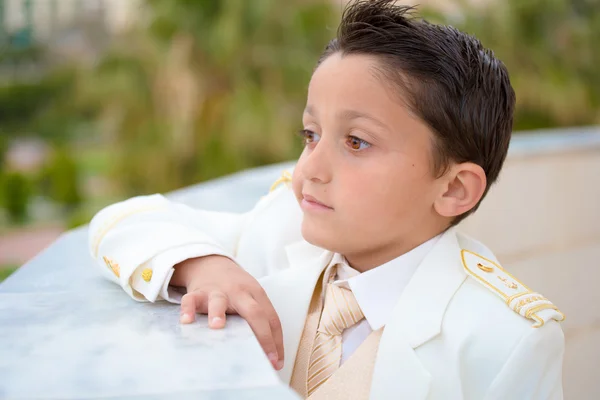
point(504, 296)
point(462, 255)
point(514, 296)
point(111, 223)
point(286, 177)
point(538, 321)
point(507, 283)
point(530, 314)
point(540, 307)
point(528, 300)
point(113, 266)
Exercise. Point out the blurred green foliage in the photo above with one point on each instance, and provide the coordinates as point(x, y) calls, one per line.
point(78, 218)
point(209, 87)
point(202, 88)
point(206, 89)
point(15, 190)
point(46, 108)
point(6, 271)
point(551, 50)
point(62, 180)
point(3, 150)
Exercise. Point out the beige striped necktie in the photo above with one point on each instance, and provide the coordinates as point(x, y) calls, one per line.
point(340, 312)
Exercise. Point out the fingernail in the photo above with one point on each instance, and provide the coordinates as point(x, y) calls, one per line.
point(185, 318)
point(273, 358)
point(216, 320)
point(279, 364)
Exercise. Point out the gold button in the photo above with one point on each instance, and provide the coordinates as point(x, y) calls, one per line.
point(147, 274)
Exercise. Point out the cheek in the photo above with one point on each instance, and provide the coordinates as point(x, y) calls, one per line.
point(365, 200)
point(297, 182)
point(388, 194)
point(409, 199)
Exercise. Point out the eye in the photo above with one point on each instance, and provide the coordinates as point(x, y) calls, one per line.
point(357, 144)
point(309, 137)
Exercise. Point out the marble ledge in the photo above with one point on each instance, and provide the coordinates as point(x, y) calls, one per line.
point(77, 345)
point(66, 333)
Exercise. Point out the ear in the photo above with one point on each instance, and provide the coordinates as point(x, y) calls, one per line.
point(462, 189)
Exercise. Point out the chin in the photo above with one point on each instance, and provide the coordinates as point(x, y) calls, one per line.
point(317, 236)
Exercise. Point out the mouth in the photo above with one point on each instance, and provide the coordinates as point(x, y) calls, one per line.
point(310, 203)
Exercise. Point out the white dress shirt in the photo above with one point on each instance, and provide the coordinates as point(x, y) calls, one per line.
point(377, 291)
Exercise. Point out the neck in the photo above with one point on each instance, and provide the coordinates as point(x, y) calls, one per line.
point(368, 259)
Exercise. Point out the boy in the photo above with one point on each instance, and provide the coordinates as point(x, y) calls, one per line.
point(365, 287)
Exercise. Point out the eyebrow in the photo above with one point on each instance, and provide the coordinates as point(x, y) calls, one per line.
point(349, 115)
point(310, 111)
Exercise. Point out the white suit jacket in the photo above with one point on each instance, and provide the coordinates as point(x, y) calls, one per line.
point(463, 328)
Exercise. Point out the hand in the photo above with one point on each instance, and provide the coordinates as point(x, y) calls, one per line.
point(216, 286)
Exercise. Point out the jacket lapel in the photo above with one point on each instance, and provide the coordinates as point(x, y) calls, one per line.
point(290, 292)
point(416, 319)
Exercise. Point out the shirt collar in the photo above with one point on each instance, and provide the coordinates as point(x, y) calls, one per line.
point(378, 290)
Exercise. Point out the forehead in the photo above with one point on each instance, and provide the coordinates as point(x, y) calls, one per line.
point(354, 82)
point(344, 86)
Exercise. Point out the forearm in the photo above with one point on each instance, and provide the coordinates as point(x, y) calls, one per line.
point(146, 244)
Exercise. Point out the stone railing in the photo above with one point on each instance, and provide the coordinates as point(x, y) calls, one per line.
point(67, 333)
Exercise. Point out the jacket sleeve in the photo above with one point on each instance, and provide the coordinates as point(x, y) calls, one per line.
point(534, 368)
point(137, 242)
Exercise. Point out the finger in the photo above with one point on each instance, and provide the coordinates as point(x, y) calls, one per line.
point(217, 306)
point(250, 310)
point(190, 303)
point(276, 330)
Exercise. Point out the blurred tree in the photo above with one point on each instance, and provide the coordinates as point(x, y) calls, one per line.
point(551, 51)
point(16, 192)
point(78, 218)
point(44, 108)
point(201, 88)
point(3, 150)
point(209, 87)
point(63, 180)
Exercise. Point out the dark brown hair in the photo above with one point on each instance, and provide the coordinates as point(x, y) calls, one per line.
point(444, 76)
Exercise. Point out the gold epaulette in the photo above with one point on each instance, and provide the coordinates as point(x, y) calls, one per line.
point(517, 296)
point(286, 177)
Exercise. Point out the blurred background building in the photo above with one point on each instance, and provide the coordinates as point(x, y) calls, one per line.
point(44, 20)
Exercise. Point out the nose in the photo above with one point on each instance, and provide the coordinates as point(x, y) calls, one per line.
point(316, 163)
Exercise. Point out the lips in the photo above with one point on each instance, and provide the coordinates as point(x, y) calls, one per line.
point(314, 201)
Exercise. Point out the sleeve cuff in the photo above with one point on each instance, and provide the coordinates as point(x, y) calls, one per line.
point(151, 279)
point(170, 293)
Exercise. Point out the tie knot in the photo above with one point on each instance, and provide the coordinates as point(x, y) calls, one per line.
point(340, 311)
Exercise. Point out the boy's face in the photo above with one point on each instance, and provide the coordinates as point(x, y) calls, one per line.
point(368, 162)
